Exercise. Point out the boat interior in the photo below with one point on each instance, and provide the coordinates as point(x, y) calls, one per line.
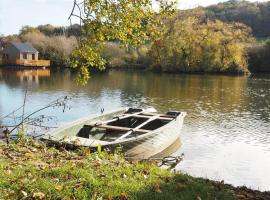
point(133, 123)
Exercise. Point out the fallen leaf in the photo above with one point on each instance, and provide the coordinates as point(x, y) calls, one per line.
point(199, 198)
point(157, 188)
point(29, 155)
point(33, 180)
point(108, 197)
point(39, 195)
point(94, 197)
point(24, 193)
point(40, 165)
point(167, 179)
point(56, 179)
point(11, 193)
point(59, 187)
point(124, 176)
point(96, 163)
point(34, 150)
point(124, 195)
point(101, 175)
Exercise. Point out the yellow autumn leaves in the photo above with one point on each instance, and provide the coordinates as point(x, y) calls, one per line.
point(128, 22)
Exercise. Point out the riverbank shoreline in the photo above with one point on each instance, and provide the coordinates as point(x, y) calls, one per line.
point(32, 170)
point(141, 68)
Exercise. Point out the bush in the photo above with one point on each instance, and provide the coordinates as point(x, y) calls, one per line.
point(58, 49)
point(114, 55)
point(120, 57)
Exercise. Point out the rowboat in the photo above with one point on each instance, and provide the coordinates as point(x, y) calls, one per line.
point(141, 133)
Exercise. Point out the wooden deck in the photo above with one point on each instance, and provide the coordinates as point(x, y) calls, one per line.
point(27, 63)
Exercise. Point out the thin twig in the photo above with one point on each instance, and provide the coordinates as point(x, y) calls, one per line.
point(24, 102)
point(55, 103)
point(6, 116)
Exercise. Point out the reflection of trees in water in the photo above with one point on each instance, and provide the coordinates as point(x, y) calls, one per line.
point(157, 88)
point(218, 93)
point(258, 90)
point(172, 91)
point(213, 93)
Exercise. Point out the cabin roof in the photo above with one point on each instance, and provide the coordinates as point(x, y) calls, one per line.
point(24, 47)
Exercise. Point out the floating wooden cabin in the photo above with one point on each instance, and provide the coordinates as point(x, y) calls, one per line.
point(22, 54)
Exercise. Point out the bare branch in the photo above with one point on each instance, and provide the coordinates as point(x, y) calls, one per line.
point(24, 101)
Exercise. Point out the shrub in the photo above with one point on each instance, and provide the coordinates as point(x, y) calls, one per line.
point(58, 49)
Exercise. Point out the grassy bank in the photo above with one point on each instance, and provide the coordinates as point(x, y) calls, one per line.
point(30, 170)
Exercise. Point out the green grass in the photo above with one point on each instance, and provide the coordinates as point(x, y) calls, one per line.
point(30, 170)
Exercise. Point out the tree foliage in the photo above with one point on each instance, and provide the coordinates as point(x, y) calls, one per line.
point(259, 57)
point(128, 22)
point(192, 46)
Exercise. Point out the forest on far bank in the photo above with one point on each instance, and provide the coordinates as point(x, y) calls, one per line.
point(229, 37)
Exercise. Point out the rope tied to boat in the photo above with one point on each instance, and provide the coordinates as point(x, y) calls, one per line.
point(168, 161)
point(171, 161)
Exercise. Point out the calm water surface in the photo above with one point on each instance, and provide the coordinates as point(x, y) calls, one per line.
point(226, 135)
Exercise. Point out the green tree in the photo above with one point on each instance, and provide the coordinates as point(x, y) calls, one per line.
point(28, 29)
point(128, 22)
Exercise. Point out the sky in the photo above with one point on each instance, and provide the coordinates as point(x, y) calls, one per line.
point(16, 13)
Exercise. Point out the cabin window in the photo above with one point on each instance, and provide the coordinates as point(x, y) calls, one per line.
point(33, 56)
point(24, 56)
point(5, 56)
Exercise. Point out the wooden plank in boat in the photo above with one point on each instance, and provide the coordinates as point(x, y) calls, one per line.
point(138, 127)
point(149, 116)
point(118, 128)
point(155, 114)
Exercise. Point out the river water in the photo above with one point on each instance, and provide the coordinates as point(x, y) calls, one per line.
point(226, 134)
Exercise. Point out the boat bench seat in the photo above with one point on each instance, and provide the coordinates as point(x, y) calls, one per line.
point(166, 118)
point(117, 128)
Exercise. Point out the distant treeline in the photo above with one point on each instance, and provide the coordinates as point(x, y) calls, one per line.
point(218, 38)
point(255, 15)
point(50, 30)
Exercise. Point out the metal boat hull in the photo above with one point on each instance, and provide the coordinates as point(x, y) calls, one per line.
point(137, 147)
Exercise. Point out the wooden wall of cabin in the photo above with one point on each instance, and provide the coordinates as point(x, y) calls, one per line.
point(29, 56)
point(11, 52)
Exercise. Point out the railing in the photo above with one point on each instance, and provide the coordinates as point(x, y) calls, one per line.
point(30, 63)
